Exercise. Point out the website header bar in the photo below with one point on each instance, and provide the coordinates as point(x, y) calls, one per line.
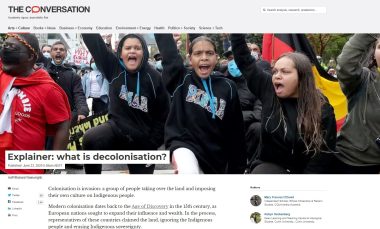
point(195, 17)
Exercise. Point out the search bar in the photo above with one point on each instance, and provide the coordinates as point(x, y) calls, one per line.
point(293, 10)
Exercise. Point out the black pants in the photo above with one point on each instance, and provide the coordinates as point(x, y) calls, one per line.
point(252, 138)
point(105, 137)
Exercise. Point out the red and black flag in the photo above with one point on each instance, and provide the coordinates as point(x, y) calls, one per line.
point(276, 44)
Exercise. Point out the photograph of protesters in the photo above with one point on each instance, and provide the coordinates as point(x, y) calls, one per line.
point(32, 105)
point(204, 130)
point(290, 141)
point(139, 102)
point(298, 123)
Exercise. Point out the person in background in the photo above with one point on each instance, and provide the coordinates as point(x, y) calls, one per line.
point(158, 61)
point(332, 72)
point(65, 76)
point(331, 64)
point(107, 40)
point(46, 49)
point(95, 86)
point(256, 53)
point(69, 81)
point(44, 56)
point(320, 60)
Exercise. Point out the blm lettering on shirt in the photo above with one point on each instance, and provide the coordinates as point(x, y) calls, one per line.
point(201, 98)
point(133, 100)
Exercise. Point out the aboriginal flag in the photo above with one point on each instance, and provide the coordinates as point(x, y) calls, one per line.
point(276, 44)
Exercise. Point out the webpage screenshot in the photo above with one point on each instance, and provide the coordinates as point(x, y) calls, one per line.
point(197, 114)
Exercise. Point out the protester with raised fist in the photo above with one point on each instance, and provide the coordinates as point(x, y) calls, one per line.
point(298, 123)
point(359, 141)
point(139, 102)
point(205, 130)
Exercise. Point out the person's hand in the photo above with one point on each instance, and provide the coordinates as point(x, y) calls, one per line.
point(80, 117)
point(177, 37)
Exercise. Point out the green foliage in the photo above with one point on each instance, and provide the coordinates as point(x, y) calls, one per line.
point(182, 49)
point(328, 46)
point(2, 37)
point(255, 38)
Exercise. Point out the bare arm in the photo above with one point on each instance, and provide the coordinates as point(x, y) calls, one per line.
point(61, 137)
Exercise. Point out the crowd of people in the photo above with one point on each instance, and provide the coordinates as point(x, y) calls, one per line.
point(231, 115)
